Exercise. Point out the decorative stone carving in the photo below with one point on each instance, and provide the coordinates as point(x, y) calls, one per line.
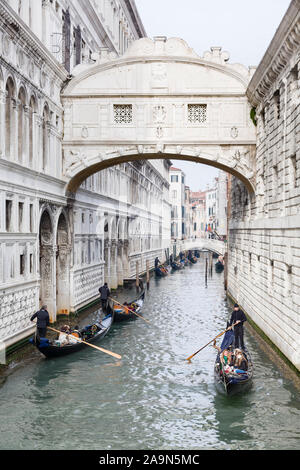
point(72, 159)
point(216, 55)
point(159, 114)
point(234, 132)
point(84, 132)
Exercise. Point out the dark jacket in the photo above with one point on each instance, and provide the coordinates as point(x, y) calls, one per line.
point(236, 316)
point(104, 292)
point(43, 319)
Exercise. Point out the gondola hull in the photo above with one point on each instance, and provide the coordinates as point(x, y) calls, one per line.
point(160, 273)
point(52, 351)
point(233, 384)
point(121, 315)
point(177, 266)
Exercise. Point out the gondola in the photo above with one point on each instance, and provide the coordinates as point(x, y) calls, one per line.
point(177, 266)
point(123, 314)
point(161, 272)
point(219, 267)
point(233, 381)
point(89, 334)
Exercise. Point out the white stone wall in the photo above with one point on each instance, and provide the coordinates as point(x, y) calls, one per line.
point(264, 246)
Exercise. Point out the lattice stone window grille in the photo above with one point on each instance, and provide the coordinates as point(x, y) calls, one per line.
point(197, 113)
point(122, 113)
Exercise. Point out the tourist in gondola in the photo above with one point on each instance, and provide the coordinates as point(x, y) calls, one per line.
point(239, 317)
point(64, 335)
point(43, 321)
point(239, 360)
point(226, 356)
point(104, 294)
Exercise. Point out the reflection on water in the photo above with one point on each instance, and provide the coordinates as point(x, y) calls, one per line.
point(153, 398)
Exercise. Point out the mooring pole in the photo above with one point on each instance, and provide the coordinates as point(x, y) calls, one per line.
point(137, 279)
point(147, 274)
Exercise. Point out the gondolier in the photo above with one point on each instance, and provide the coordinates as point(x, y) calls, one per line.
point(238, 316)
point(104, 293)
point(43, 320)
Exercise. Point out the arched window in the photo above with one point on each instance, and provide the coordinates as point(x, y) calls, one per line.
point(45, 139)
point(9, 124)
point(21, 124)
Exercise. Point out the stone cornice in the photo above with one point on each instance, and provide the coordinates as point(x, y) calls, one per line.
point(17, 27)
point(284, 44)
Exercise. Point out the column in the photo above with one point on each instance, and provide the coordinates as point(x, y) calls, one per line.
point(120, 274)
point(47, 279)
point(107, 260)
point(37, 156)
point(14, 130)
point(2, 123)
point(125, 259)
point(113, 282)
point(25, 155)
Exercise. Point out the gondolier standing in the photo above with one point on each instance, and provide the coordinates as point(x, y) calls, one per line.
point(238, 316)
point(104, 294)
point(43, 320)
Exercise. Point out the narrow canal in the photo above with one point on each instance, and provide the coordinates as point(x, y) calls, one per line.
point(153, 398)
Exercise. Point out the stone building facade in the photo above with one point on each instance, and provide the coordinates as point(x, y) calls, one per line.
point(54, 249)
point(264, 233)
point(177, 201)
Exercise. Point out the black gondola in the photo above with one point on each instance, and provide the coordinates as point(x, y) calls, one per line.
point(161, 272)
point(89, 334)
point(121, 313)
point(219, 267)
point(177, 266)
point(232, 381)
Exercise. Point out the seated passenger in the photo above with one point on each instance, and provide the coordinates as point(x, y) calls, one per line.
point(63, 337)
point(76, 332)
point(226, 357)
point(240, 362)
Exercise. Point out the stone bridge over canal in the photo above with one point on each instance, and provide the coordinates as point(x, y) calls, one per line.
point(160, 100)
point(215, 246)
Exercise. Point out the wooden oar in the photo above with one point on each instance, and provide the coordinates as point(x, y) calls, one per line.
point(130, 310)
point(221, 334)
point(117, 356)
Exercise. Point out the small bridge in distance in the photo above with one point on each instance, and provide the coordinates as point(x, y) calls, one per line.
point(216, 246)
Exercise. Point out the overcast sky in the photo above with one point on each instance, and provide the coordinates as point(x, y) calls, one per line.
point(243, 28)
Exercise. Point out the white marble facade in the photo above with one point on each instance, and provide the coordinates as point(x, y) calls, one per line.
point(55, 250)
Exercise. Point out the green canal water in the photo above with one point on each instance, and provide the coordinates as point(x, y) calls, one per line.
point(152, 398)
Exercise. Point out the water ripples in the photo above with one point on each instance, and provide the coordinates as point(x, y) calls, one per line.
point(153, 398)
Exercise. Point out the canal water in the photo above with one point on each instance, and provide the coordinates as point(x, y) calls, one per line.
point(152, 398)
